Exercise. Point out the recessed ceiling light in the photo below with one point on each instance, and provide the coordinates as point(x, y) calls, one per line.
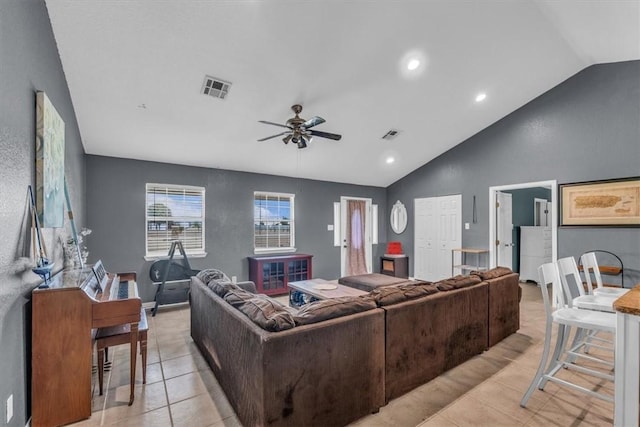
point(481, 97)
point(390, 160)
point(413, 64)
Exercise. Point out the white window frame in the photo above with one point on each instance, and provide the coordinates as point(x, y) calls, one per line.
point(193, 252)
point(292, 226)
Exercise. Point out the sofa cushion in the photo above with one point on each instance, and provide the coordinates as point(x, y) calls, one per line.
point(220, 287)
point(369, 282)
point(333, 307)
point(394, 294)
point(265, 312)
point(210, 274)
point(493, 273)
point(458, 282)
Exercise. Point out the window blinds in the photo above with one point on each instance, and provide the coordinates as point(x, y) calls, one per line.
point(174, 213)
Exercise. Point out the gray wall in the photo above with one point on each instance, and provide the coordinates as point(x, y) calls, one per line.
point(522, 202)
point(587, 128)
point(29, 62)
point(116, 214)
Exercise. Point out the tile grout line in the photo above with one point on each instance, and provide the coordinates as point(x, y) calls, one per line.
point(164, 380)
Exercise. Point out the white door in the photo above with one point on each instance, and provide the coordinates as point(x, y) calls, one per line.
point(426, 237)
point(450, 233)
point(504, 228)
point(541, 212)
point(438, 229)
point(352, 237)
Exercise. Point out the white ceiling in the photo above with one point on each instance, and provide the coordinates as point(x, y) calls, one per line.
point(342, 60)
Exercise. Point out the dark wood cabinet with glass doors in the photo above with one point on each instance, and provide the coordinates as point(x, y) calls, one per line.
point(272, 274)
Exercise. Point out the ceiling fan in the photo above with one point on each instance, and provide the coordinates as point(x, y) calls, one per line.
point(299, 130)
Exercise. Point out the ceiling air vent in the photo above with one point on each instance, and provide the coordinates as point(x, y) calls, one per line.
point(215, 87)
point(391, 134)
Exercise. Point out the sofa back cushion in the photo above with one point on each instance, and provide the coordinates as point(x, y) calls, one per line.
point(369, 282)
point(493, 273)
point(389, 295)
point(265, 312)
point(210, 274)
point(220, 287)
point(458, 282)
point(333, 307)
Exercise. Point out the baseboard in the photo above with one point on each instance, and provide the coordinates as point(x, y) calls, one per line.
point(149, 305)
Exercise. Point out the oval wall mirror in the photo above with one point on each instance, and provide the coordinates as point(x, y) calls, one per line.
point(398, 217)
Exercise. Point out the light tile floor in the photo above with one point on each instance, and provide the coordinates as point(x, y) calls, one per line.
point(484, 391)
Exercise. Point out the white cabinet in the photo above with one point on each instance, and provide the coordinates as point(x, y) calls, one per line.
point(535, 250)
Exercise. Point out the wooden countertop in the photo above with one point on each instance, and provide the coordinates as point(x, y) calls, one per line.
point(629, 303)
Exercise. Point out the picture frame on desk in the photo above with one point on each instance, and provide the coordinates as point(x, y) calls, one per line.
point(607, 203)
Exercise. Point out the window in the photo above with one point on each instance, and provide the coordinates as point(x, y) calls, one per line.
point(174, 212)
point(273, 222)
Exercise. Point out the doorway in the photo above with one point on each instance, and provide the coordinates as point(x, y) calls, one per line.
point(356, 236)
point(552, 215)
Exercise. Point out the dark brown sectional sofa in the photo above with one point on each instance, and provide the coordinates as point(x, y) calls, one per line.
point(322, 374)
point(335, 371)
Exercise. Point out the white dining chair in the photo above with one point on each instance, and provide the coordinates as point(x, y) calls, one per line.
point(566, 316)
point(590, 266)
point(581, 298)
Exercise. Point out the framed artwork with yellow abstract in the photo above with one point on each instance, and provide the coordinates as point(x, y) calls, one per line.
point(49, 163)
point(612, 203)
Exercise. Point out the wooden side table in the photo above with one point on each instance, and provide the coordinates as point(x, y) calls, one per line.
point(395, 265)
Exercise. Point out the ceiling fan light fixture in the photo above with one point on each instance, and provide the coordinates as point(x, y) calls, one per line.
point(299, 130)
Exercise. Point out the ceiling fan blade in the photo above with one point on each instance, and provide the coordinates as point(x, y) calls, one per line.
point(273, 136)
point(274, 124)
point(321, 134)
point(313, 121)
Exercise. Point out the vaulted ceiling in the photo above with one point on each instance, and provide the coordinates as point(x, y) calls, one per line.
point(135, 71)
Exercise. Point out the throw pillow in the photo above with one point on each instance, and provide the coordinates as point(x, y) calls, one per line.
point(331, 308)
point(265, 312)
point(458, 282)
point(493, 273)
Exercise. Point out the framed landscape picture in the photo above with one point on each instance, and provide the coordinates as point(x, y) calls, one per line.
point(613, 203)
point(49, 163)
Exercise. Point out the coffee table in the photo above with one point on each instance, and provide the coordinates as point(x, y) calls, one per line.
point(305, 291)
